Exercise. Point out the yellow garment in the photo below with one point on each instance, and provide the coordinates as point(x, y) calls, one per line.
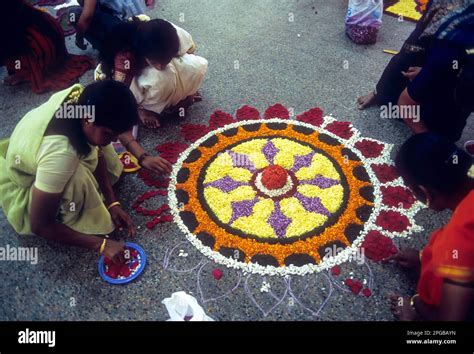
point(82, 207)
point(57, 161)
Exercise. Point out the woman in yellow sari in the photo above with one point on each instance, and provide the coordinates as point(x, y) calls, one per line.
point(58, 167)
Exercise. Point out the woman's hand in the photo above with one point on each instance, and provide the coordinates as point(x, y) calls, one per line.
point(412, 72)
point(122, 220)
point(114, 251)
point(407, 258)
point(157, 164)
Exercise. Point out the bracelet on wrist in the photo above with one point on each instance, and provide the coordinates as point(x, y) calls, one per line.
point(112, 205)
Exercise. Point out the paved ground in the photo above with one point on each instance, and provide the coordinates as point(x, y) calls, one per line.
point(299, 64)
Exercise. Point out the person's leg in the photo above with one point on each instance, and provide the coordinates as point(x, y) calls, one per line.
point(392, 83)
point(100, 26)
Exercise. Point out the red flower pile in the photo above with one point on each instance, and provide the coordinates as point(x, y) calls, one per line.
point(314, 116)
point(277, 111)
point(368, 148)
point(126, 269)
point(355, 285)
point(247, 113)
point(152, 180)
point(378, 247)
point(193, 132)
point(274, 177)
point(397, 197)
point(385, 173)
point(219, 119)
point(341, 129)
point(171, 151)
point(392, 221)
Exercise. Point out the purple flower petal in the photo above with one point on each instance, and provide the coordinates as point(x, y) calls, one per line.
point(242, 160)
point(313, 205)
point(270, 151)
point(242, 209)
point(321, 182)
point(278, 221)
point(302, 161)
point(226, 184)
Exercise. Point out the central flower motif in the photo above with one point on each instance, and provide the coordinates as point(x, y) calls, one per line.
point(272, 188)
point(274, 177)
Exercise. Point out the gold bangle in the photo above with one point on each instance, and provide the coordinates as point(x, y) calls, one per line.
point(112, 205)
point(420, 254)
point(412, 300)
point(102, 246)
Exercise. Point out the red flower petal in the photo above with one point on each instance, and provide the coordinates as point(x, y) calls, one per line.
point(341, 129)
point(247, 113)
point(134, 265)
point(336, 271)
point(171, 151)
point(397, 197)
point(366, 292)
point(193, 132)
point(125, 271)
point(150, 225)
point(349, 282)
point(385, 173)
point(219, 119)
point(314, 116)
point(356, 287)
point(217, 274)
point(378, 247)
point(392, 221)
point(277, 111)
point(369, 149)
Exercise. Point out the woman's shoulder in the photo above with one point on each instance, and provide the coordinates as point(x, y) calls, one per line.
point(58, 145)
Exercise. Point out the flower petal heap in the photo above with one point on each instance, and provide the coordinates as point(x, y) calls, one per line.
point(273, 195)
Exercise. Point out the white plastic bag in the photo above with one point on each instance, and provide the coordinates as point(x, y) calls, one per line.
point(184, 307)
point(363, 20)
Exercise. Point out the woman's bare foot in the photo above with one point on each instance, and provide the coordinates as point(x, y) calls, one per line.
point(149, 119)
point(14, 80)
point(366, 101)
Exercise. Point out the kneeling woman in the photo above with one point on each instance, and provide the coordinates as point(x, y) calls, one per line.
point(57, 168)
point(438, 173)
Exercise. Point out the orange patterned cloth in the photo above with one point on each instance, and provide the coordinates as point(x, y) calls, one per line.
point(449, 254)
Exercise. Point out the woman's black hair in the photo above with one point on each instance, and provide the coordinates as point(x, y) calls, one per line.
point(433, 161)
point(156, 40)
point(114, 107)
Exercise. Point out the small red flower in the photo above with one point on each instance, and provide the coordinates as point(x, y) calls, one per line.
point(219, 119)
point(366, 292)
point(217, 274)
point(349, 282)
point(341, 129)
point(314, 116)
point(392, 221)
point(385, 173)
point(277, 111)
point(370, 149)
point(336, 271)
point(193, 132)
point(247, 113)
point(397, 197)
point(378, 247)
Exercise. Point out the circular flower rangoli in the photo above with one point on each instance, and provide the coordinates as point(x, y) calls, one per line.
point(277, 196)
